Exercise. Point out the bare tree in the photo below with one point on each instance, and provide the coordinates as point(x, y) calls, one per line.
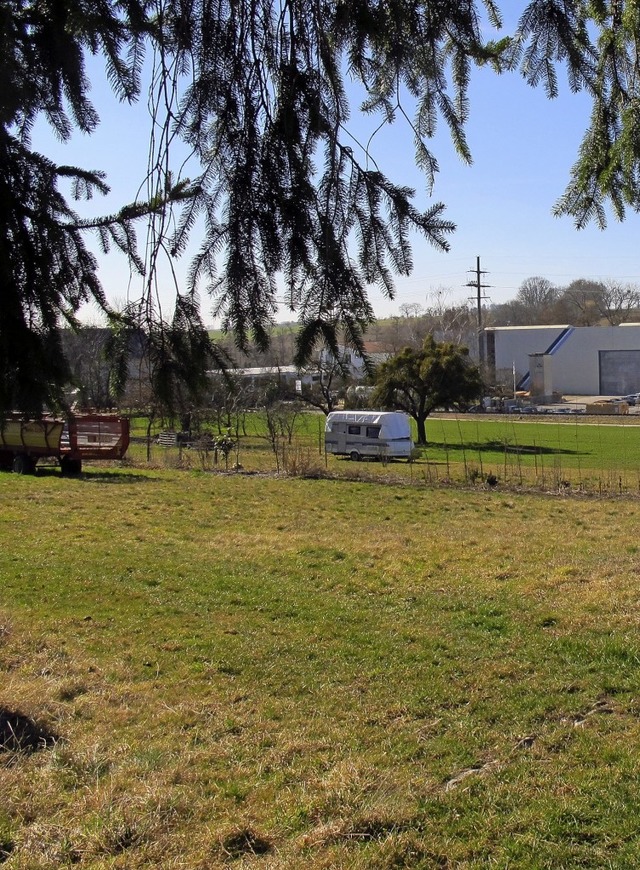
point(618, 303)
point(280, 351)
point(281, 419)
point(91, 369)
point(411, 309)
point(511, 313)
point(331, 379)
point(537, 292)
point(583, 300)
point(450, 321)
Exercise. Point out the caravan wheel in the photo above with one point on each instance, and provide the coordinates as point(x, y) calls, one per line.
point(354, 456)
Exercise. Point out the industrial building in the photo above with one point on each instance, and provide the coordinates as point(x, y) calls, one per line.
point(568, 360)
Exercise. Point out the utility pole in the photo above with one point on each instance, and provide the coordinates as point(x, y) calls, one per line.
point(479, 299)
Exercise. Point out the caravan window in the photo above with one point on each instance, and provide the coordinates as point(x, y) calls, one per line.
point(354, 430)
point(373, 431)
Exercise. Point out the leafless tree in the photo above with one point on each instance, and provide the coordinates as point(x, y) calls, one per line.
point(583, 300)
point(618, 303)
point(323, 393)
point(411, 309)
point(91, 369)
point(281, 419)
point(450, 321)
point(511, 313)
point(537, 294)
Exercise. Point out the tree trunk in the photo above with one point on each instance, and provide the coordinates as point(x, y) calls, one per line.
point(422, 430)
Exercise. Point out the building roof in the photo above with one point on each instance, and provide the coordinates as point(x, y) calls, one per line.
point(530, 326)
point(259, 371)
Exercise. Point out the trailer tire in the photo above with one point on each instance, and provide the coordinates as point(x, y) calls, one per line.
point(354, 456)
point(23, 464)
point(70, 467)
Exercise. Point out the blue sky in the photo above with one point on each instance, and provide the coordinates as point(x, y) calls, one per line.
point(523, 147)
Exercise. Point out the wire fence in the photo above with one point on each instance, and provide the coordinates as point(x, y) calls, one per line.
point(597, 458)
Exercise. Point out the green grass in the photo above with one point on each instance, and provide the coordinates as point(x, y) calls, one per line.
point(328, 673)
point(573, 443)
point(548, 454)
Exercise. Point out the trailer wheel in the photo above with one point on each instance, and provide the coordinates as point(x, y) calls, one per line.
point(354, 456)
point(70, 467)
point(23, 464)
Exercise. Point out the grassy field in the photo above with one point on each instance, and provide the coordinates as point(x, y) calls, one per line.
point(594, 455)
point(202, 670)
point(580, 450)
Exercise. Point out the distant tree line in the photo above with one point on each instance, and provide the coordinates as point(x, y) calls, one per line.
point(583, 302)
point(98, 382)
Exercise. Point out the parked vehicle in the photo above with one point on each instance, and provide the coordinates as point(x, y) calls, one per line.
point(89, 436)
point(632, 399)
point(376, 434)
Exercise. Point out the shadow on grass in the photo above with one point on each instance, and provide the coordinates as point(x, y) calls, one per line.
point(117, 477)
point(95, 475)
point(22, 734)
point(244, 842)
point(502, 447)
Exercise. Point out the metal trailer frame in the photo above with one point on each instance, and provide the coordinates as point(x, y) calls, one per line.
point(83, 436)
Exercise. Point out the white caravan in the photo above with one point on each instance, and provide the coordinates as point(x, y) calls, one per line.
point(379, 434)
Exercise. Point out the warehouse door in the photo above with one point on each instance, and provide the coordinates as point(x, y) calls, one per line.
point(619, 372)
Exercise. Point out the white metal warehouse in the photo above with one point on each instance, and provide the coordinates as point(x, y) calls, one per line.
point(574, 360)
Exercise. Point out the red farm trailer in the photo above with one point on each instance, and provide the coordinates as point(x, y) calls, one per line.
point(86, 436)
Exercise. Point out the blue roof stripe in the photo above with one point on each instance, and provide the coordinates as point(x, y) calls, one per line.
point(560, 339)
